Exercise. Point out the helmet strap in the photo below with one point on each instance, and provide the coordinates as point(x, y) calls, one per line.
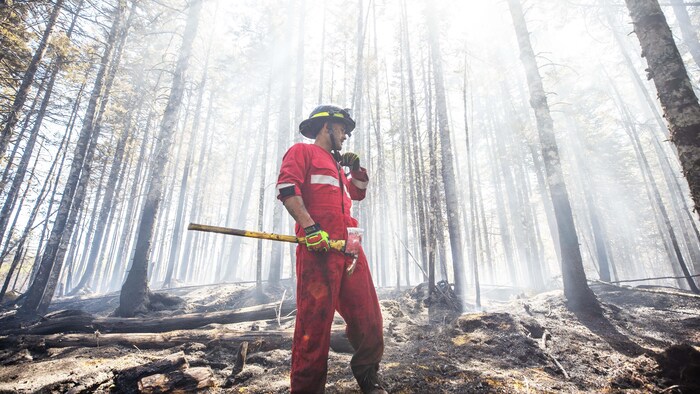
point(334, 151)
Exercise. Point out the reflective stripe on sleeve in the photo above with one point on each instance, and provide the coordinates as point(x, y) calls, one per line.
point(324, 180)
point(359, 184)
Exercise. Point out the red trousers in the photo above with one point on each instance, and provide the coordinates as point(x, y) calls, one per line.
point(324, 287)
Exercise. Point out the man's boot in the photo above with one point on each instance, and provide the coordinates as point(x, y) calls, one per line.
point(369, 381)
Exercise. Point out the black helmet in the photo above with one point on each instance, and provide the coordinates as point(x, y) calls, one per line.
point(324, 113)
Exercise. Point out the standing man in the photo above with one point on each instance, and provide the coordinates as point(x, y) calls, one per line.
point(316, 192)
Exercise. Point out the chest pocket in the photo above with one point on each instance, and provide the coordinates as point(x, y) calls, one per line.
point(324, 179)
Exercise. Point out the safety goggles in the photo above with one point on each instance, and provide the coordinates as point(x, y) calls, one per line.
point(343, 113)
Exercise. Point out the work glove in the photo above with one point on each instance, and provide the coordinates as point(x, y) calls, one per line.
point(351, 160)
point(316, 239)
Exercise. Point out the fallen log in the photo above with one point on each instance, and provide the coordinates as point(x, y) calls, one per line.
point(189, 380)
point(84, 322)
point(260, 340)
point(127, 380)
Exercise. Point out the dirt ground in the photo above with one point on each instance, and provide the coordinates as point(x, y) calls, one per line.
point(647, 340)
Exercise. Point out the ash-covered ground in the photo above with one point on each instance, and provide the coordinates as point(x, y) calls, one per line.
point(647, 340)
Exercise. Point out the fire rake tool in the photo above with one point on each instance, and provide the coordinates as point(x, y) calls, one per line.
point(350, 247)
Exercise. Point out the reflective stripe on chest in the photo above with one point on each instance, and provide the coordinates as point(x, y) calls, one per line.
point(324, 180)
point(327, 180)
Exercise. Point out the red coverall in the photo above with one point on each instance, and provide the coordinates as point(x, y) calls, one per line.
point(323, 287)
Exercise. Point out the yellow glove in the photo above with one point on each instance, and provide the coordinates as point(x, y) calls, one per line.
point(316, 239)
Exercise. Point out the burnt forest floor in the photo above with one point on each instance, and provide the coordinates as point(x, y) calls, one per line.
point(646, 340)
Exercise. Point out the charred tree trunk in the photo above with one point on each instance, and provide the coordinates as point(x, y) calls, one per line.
point(433, 188)
point(197, 191)
point(135, 295)
point(104, 212)
point(261, 196)
point(448, 174)
point(599, 238)
point(688, 31)
point(471, 230)
point(655, 196)
point(576, 288)
point(116, 273)
point(174, 255)
point(678, 100)
point(416, 157)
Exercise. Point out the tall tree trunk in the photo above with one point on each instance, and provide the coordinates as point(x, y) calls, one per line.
point(117, 273)
point(19, 255)
point(448, 173)
point(503, 225)
point(33, 134)
point(50, 263)
point(234, 257)
point(283, 133)
point(407, 197)
point(25, 126)
point(69, 270)
point(78, 199)
point(261, 196)
point(662, 133)
point(471, 230)
point(678, 100)
point(54, 190)
point(175, 246)
point(416, 158)
point(690, 235)
point(322, 54)
point(655, 195)
point(576, 288)
point(92, 261)
point(163, 233)
point(8, 242)
point(688, 31)
point(134, 297)
point(599, 238)
point(18, 179)
point(109, 243)
point(299, 72)
point(433, 179)
point(197, 192)
point(105, 209)
point(28, 79)
point(83, 266)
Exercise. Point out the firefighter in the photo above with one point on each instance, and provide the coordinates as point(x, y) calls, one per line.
point(316, 192)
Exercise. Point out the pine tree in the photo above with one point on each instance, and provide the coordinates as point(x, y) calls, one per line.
point(135, 294)
point(678, 100)
point(576, 288)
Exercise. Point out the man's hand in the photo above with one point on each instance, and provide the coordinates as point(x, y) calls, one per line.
point(316, 239)
point(351, 160)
